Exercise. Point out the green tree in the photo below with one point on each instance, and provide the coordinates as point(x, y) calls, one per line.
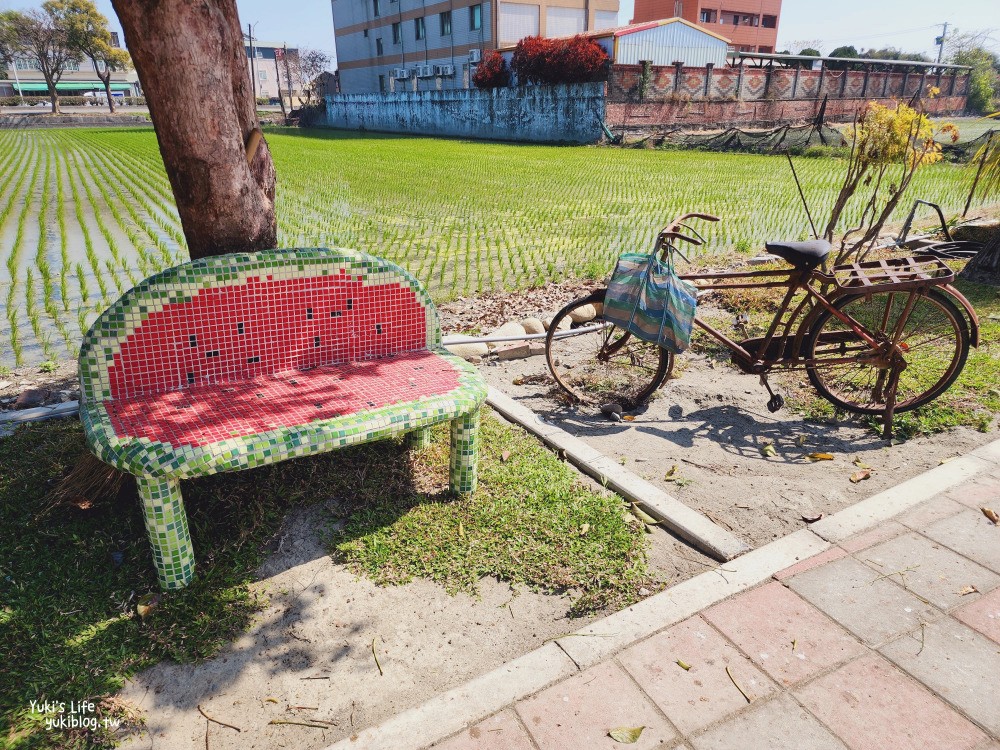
point(89, 36)
point(985, 265)
point(42, 35)
point(984, 78)
point(845, 51)
point(811, 52)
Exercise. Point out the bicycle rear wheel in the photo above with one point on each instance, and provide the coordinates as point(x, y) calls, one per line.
point(932, 347)
point(594, 361)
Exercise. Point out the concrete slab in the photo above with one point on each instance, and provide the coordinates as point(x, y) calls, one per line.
point(880, 533)
point(784, 635)
point(579, 712)
point(929, 569)
point(500, 732)
point(872, 608)
point(704, 694)
point(834, 553)
point(931, 511)
point(958, 664)
point(871, 705)
point(983, 615)
point(971, 534)
point(780, 724)
point(977, 493)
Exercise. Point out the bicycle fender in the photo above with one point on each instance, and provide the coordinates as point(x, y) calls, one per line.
point(970, 311)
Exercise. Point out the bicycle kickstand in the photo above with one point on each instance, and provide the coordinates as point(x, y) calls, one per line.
point(776, 401)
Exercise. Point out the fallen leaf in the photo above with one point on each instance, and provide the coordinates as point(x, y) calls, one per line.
point(768, 450)
point(519, 381)
point(626, 735)
point(966, 590)
point(584, 529)
point(147, 604)
point(461, 530)
point(79, 501)
point(946, 460)
point(991, 514)
point(812, 519)
point(861, 464)
point(643, 515)
point(683, 665)
point(800, 440)
point(270, 700)
point(671, 475)
point(820, 456)
point(860, 476)
point(628, 418)
point(505, 455)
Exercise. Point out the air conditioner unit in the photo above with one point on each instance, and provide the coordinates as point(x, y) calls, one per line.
point(475, 55)
point(400, 74)
point(444, 70)
point(425, 71)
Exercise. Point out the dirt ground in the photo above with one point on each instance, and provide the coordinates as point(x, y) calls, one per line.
point(310, 655)
point(712, 423)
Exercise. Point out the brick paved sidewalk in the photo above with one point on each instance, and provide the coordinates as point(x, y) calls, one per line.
point(889, 640)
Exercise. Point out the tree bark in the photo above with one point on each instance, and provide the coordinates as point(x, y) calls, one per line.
point(985, 266)
point(191, 62)
point(53, 95)
point(106, 80)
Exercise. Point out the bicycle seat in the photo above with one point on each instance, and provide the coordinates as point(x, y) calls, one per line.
point(805, 256)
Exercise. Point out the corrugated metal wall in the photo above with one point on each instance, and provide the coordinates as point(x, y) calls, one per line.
point(667, 44)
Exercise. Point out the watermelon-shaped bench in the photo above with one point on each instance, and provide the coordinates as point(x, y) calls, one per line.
point(237, 361)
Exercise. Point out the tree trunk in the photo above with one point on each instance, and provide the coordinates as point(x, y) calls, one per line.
point(53, 96)
point(985, 266)
point(191, 62)
point(106, 80)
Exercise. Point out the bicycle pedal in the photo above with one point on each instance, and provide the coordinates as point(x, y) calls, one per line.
point(775, 403)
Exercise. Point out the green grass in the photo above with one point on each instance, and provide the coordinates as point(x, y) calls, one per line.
point(464, 217)
point(69, 628)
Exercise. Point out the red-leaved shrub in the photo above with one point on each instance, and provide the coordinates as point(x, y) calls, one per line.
point(550, 61)
point(492, 72)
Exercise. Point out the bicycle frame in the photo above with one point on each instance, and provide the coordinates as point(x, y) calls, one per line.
point(758, 362)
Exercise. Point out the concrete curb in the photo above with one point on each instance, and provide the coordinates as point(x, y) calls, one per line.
point(40, 412)
point(449, 713)
point(686, 523)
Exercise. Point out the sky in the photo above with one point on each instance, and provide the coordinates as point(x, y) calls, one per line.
point(910, 25)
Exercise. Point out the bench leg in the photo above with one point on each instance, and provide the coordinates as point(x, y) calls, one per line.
point(166, 524)
point(418, 438)
point(464, 452)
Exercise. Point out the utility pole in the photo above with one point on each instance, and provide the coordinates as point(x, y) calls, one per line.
point(288, 80)
point(940, 41)
point(253, 72)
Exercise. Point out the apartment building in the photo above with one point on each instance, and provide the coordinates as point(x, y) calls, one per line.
point(413, 45)
point(751, 25)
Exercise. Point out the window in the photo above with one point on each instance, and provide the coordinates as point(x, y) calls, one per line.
point(381, 84)
point(365, 33)
point(678, 8)
point(397, 33)
point(419, 28)
point(446, 23)
point(378, 47)
point(475, 17)
point(27, 65)
point(770, 22)
point(708, 16)
point(262, 75)
point(375, 9)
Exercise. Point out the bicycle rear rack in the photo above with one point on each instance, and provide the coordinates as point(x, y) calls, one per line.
point(890, 274)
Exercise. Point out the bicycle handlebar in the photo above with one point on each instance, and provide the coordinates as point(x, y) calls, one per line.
point(670, 231)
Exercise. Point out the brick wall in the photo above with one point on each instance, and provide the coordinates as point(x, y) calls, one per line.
point(725, 96)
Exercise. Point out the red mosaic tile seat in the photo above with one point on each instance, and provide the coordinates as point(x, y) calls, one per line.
point(237, 361)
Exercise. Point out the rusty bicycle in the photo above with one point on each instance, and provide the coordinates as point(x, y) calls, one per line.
point(875, 337)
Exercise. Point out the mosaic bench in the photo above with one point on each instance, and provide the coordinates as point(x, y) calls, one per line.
point(237, 361)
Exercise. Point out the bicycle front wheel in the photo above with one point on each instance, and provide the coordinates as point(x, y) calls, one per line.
point(594, 361)
point(932, 344)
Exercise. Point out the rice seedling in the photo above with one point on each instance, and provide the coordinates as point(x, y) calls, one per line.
point(464, 217)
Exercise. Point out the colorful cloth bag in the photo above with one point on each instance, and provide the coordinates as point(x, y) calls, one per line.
point(647, 299)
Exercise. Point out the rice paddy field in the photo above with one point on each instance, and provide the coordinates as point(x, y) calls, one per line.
point(87, 213)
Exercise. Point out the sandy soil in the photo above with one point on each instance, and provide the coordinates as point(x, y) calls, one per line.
point(712, 423)
point(310, 654)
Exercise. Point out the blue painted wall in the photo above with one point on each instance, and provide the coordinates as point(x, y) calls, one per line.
point(570, 113)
